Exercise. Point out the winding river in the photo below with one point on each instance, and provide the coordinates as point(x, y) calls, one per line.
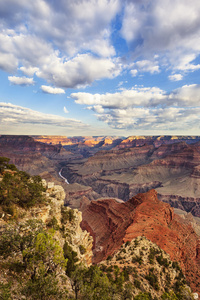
point(65, 179)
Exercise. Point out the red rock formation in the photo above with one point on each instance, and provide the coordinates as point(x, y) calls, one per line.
point(111, 224)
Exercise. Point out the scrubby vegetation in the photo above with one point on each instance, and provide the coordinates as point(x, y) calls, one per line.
point(35, 264)
point(18, 188)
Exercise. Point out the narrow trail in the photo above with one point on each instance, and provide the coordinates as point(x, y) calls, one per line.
point(65, 179)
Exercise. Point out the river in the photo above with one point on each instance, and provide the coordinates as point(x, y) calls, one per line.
point(65, 179)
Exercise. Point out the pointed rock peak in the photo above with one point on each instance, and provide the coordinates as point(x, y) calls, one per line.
point(150, 196)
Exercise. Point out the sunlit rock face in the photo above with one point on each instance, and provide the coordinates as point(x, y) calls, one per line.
point(112, 223)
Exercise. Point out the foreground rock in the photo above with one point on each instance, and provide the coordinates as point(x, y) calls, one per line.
point(150, 269)
point(36, 246)
point(111, 224)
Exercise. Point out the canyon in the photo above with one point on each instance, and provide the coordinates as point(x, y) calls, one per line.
point(118, 184)
point(171, 168)
point(99, 167)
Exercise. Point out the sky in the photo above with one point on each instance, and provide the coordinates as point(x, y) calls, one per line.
point(100, 67)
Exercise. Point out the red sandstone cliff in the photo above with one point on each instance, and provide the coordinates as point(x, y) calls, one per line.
point(111, 223)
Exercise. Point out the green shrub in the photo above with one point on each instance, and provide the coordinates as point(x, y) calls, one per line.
point(127, 243)
point(143, 296)
point(67, 215)
point(137, 259)
point(153, 280)
point(82, 249)
point(5, 293)
point(137, 284)
point(162, 261)
point(53, 223)
point(72, 258)
point(19, 188)
point(109, 257)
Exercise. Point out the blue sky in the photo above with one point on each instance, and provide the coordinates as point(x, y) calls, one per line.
point(100, 67)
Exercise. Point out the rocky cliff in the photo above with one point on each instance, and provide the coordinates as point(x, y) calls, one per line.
point(61, 216)
point(111, 224)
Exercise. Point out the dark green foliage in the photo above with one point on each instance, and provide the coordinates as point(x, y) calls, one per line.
point(94, 284)
point(16, 266)
point(152, 254)
point(127, 243)
point(137, 259)
point(162, 261)
point(16, 239)
point(143, 296)
point(4, 164)
point(19, 188)
point(136, 242)
point(82, 249)
point(119, 257)
point(53, 223)
point(5, 293)
point(38, 254)
point(71, 259)
point(129, 269)
point(153, 280)
point(109, 257)
point(137, 283)
point(123, 250)
point(169, 296)
point(67, 215)
point(175, 265)
point(44, 286)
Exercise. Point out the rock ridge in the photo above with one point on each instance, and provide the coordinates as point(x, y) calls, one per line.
point(113, 223)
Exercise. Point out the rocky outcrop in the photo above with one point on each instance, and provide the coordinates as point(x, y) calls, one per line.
point(145, 261)
point(63, 217)
point(111, 224)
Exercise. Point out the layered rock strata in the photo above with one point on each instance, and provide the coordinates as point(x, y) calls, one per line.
point(111, 224)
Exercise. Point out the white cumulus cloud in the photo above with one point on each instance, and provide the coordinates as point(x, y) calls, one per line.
point(50, 90)
point(21, 80)
point(175, 77)
point(146, 108)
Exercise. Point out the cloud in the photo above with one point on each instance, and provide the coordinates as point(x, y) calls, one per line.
point(147, 66)
point(77, 25)
point(175, 77)
point(80, 71)
point(137, 96)
point(50, 90)
point(144, 66)
point(187, 95)
point(32, 33)
point(14, 115)
point(71, 26)
point(21, 80)
point(170, 30)
point(65, 110)
point(29, 71)
point(146, 108)
point(70, 44)
point(39, 58)
point(8, 62)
